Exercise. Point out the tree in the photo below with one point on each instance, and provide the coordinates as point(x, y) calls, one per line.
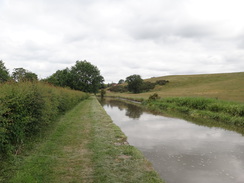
point(21, 74)
point(134, 83)
point(4, 74)
point(86, 77)
point(121, 81)
point(30, 76)
point(60, 78)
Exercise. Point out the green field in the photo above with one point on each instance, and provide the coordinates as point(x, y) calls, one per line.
point(227, 86)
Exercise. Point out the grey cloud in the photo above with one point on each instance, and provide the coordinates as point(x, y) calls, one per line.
point(236, 58)
point(239, 40)
point(195, 31)
point(71, 39)
point(150, 38)
point(163, 30)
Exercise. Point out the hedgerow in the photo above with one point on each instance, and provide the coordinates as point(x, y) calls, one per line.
point(27, 107)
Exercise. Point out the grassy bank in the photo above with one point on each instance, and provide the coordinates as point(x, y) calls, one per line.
point(230, 114)
point(83, 146)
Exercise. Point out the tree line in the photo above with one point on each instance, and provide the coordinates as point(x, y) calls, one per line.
point(135, 84)
point(82, 76)
point(18, 75)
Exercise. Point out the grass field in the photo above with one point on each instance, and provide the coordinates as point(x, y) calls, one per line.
point(226, 86)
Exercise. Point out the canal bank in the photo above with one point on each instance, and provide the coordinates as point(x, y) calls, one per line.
point(83, 146)
point(181, 151)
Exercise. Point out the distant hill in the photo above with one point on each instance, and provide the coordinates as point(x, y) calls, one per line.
point(226, 86)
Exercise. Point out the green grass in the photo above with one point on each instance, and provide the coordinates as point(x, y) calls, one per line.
point(226, 86)
point(231, 113)
point(115, 160)
point(59, 157)
point(83, 146)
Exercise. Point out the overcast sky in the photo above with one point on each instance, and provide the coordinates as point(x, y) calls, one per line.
point(123, 37)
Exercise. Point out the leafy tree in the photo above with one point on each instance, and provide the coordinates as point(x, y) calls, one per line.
point(60, 78)
point(86, 77)
point(30, 76)
point(21, 74)
point(4, 74)
point(121, 81)
point(135, 83)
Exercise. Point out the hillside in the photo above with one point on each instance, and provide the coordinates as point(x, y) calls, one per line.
point(226, 86)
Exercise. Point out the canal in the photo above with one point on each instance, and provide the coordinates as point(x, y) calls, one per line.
point(181, 151)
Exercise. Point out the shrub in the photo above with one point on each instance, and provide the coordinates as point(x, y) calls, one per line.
point(118, 88)
point(162, 82)
point(146, 86)
point(154, 96)
point(103, 92)
point(25, 108)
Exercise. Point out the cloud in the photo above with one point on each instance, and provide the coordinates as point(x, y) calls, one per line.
point(150, 38)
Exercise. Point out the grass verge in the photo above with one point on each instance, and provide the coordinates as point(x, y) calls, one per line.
point(213, 112)
point(114, 159)
point(83, 146)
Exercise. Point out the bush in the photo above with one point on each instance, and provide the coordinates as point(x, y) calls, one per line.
point(118, 88)
point(155, 96)
point(103, 92)
point(25, 108)
point(146, 86)
point(162, 82)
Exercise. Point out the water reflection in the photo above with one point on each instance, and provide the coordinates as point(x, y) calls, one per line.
point(181, 151)
point(132, 111)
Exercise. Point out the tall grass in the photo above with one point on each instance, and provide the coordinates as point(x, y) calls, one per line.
point(222, 111)
point(27, 107)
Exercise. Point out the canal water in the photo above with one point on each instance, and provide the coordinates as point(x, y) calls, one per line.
point(181, 151)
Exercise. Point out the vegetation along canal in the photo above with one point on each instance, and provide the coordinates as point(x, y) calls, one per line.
point(181, 151)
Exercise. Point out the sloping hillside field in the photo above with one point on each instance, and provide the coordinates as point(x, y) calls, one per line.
point(228, 86)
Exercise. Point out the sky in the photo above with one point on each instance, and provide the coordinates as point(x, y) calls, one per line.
point(150, 38)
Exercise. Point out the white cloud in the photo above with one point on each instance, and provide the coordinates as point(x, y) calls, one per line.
point(150, 38)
